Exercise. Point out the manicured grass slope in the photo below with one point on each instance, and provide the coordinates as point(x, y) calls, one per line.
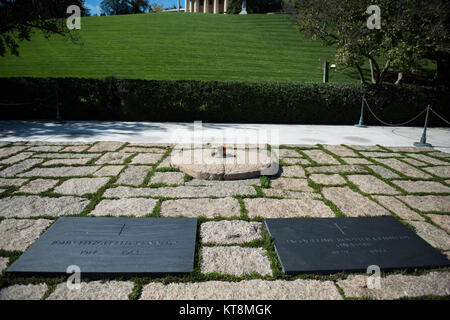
point(174, 46)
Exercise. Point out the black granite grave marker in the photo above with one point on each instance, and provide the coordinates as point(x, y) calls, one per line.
point(328, 245)
point(112, 247)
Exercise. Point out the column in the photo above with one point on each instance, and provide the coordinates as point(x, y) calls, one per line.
point(205, 6)
point(196, 5)
point(225, 4)
point(216, 6)
point(191, 6)
point(186, 5)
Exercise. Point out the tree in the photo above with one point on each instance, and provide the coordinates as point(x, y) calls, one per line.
point(409, 32)
point(139, 6)
point(155, 7)
point(115, 7)
point(19, 18)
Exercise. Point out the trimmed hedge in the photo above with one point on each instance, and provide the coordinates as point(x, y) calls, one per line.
point(243, 102)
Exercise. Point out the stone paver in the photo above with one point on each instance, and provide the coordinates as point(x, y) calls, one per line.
point(75, 148)
point(12, 182)
point(357, 161)
point(381, 155)
point(226, 232)
point(19, 167)
point(289, 153)
point(371, 184)
point(287, 208)
point(327, 179)
point(384, 172)
point(32, 206)
point(60, 172)
point(235, 260)
point(350, 168)
point(165, 163)
point(293, 171)
point(3, 263)
point(18, 157)
point(134, 175)
point(442, 171)
point(94, 290)
point(243, 290)
point(398, 286)
point(23, 292)
point(168, 178)
point(144, 150)
point(428, 159)
point(404, 168)
point(441, 154)
point(321, 157)
point(7, 151)
point(38, 185)
point(365, 148)
point(80, 186)
point(108, 171)
point(340, 150)
point(290, 184)
point(442, 220)
point(224, 207)
point(290, 161)
point(352, 203)
point(224, 183)
point(414, 162)
point(66, 155)
point(113, 158)
point(422, 186)
point(428, 203)
point(146, 158)
point(106, 146)
point(20, 234)
point(434, 236)
point(289, 194)
point(125, 207)
point(45, 148)
point(410, 149)
point(150, 144)
point(181, 192)
point(398, 207)
point(66, 162)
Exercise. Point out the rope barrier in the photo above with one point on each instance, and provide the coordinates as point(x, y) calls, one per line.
point(392, 124)
point(442, 118)
point(423, 139)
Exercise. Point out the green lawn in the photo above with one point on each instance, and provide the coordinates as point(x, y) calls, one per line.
point(172, 46)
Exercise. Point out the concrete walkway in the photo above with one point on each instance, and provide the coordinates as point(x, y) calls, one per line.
point(182, 132)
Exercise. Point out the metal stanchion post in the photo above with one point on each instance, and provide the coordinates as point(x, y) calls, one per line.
point(361, 119)
point(423, 139)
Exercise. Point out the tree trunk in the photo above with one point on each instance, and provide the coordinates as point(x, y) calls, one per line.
point(383, 72)
point(442, 70)
point(372, 71)
point(361, 75)
point(399, 78)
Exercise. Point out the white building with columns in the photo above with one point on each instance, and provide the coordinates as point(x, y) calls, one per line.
point(206, 6)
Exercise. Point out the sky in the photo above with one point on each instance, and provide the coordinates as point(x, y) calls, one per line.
point(94, 5)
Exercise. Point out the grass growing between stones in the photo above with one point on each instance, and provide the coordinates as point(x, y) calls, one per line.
point(265, 242)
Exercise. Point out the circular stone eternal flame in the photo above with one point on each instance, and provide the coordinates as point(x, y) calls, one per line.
point(213, 164)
